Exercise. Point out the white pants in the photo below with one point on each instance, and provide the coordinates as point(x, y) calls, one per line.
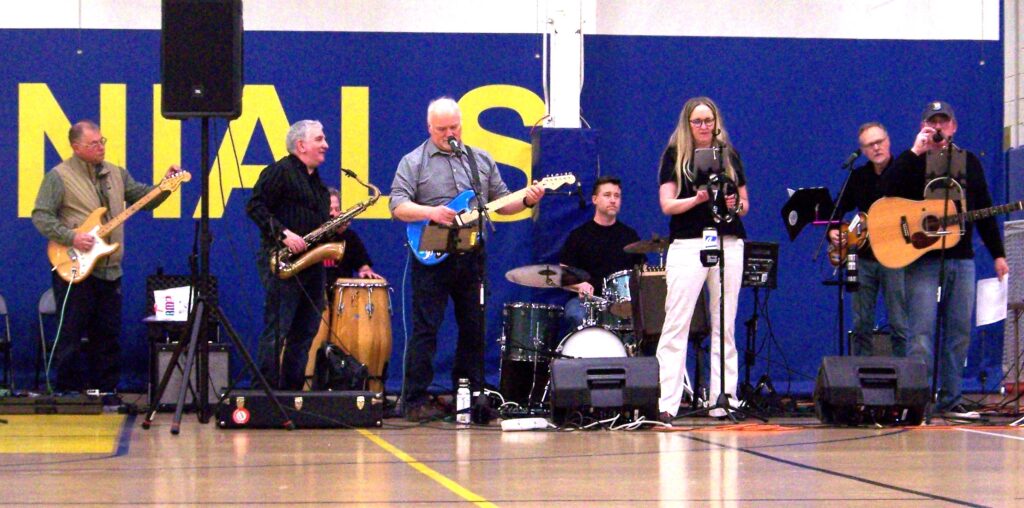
point(685, 277)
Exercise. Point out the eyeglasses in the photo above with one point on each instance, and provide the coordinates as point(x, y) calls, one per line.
point(697, 122)
point(874, 144)
point(95, 144)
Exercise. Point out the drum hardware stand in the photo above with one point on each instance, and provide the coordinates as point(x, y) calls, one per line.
point(200, 317)
point(718, 184)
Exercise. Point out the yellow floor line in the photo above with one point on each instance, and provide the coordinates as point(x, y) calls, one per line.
point(61, 433)
point(448, 483)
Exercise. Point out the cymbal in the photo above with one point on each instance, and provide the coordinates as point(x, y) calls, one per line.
point(546, 276)
point(648, 246)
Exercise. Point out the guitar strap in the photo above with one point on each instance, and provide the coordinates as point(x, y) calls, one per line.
point(475, 171)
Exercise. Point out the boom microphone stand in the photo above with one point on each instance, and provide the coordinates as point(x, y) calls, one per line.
point(203, 313)
point(843, 281)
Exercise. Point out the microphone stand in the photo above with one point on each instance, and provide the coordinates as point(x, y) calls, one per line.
point(727, 215)
point(483, 217)
point(840, 270)
point(940, 307)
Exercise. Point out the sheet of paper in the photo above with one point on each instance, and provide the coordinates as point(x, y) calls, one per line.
point(991, 300)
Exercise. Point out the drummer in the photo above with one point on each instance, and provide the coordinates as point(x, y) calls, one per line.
point(597, 247)
point(356, 260)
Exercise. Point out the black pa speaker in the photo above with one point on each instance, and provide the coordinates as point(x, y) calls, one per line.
point(851, 390)
point(201, 58)
point(603, 387)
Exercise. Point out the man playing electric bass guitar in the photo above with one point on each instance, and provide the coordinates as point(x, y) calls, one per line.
point(907, 179)
point(70, 192)
point(426, 180)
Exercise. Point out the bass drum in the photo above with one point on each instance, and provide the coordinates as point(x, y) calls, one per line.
point(592, 342)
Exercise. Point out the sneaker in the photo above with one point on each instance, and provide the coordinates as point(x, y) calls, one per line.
point(424, 413)
point(666, 418)
point(959, 412)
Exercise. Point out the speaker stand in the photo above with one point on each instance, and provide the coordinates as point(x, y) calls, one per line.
point(198, 345)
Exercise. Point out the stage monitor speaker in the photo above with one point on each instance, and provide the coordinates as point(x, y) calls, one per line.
point(851, 390)
point(219, 368)
point(201, 58)
point(603, 387)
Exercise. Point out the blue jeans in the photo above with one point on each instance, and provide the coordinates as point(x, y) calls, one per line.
point(922, 278)
point(873, 277)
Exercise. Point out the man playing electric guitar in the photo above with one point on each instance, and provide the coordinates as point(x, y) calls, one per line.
point(907, 179)
point(426, 180)
point(70, 192)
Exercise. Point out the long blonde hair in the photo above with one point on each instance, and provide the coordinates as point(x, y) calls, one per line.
point(682, 141)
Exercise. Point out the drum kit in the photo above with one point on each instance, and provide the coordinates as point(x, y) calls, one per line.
point(531, 331)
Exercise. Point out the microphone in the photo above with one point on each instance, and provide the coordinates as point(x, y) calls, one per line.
point(579, 195)
point(850, 158)
point(937, 137)
point(455, 145)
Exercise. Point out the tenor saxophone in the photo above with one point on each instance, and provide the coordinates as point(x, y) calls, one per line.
point(286, 264)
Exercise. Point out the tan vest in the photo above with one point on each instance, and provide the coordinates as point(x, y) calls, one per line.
point(83, 187)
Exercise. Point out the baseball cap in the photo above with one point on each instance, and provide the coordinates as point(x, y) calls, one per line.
point(937, 108)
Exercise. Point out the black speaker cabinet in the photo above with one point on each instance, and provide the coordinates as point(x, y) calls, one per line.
point(201, 58)
point(602, 387)
point(851, 390)
point(161, 357)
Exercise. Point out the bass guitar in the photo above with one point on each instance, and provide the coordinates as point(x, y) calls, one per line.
point(74, 265)
point(903, 230)
point(466, 216)
point(854, 233)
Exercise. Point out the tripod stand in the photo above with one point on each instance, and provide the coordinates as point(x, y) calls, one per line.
point(203, 313)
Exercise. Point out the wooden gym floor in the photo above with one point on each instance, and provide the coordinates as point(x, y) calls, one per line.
point(110, 460)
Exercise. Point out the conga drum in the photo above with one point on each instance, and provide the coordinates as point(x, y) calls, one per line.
point(361, 324)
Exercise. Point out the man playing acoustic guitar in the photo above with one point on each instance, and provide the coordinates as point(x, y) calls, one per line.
point(70, 192)
point(907, 179)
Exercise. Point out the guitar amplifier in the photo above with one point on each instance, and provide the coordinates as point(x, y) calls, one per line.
point(252, 409)
point(647, 288)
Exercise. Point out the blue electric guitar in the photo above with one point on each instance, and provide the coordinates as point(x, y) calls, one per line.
point(466, 216)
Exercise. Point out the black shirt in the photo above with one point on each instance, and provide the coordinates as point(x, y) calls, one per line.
point(864, 189)
point(288, 196)
point(906, 179)
point(691, 223)
point(598, 250)
point(355, 257)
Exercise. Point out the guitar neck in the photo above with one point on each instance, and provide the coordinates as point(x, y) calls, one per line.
point(984, 213)
point(128, 212)
point(471, 215)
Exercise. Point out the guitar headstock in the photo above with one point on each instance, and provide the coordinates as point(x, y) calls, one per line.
point(171, 183)
point(552, 182)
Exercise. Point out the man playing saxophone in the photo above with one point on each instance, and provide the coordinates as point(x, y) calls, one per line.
point(289, 201)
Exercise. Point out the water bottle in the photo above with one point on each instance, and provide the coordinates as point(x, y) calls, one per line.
point(709, 254)
point(462, 401)
point(852, 282)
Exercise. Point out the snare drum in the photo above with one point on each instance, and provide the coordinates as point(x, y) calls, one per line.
point(592, 342)
point(361, 323)
point(529, 328)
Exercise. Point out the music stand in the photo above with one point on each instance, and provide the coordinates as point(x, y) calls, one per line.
point(811, 205)
point(450, 240)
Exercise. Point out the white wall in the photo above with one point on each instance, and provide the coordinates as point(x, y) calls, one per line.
point(1013, 58)
point(830, 19)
